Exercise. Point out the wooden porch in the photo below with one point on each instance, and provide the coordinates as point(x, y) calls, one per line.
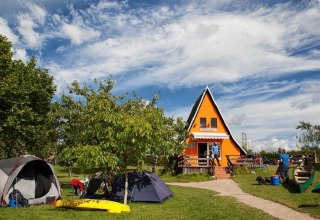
point(202, 164)
point(195, 164)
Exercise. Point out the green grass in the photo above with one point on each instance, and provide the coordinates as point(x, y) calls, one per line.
point(193, 177)
point(285, 194)
point(187, 203)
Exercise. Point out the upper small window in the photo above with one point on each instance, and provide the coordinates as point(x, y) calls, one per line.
point(213, 123)
point(203, 122)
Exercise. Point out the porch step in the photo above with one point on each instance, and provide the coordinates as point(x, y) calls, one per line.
point(221, 173)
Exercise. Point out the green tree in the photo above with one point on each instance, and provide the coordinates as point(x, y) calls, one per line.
point(25, 96)
point(86, 128)
point(115, 131)
point(309, 136)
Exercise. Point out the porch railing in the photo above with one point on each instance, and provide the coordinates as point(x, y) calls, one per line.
point(248, 162)
point(201, 161)
point(194, 161)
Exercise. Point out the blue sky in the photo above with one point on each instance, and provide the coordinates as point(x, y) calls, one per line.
point(260, 59)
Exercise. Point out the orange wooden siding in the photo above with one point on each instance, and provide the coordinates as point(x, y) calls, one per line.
point(208, 110)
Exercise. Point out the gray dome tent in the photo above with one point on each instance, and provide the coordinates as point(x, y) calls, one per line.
point(32, 176)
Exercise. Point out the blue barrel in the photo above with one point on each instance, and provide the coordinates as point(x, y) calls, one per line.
point(275, 180)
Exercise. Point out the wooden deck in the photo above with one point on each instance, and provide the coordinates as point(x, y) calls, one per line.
point(194, 164)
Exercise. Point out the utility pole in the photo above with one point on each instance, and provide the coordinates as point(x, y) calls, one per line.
point(244, 141)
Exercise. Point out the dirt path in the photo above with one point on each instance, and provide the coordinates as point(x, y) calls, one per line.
point(227, 187)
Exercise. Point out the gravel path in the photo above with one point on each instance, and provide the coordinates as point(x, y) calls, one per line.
point(227, 187)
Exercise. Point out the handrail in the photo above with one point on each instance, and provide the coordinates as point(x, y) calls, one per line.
point(194, 161)
point(231, 166)
point(189, 161)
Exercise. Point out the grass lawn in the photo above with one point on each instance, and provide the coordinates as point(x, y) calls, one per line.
point(193, 177)
point(285, 194)
point(187, 203)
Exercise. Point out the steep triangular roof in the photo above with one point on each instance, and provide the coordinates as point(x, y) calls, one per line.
point(195, 110)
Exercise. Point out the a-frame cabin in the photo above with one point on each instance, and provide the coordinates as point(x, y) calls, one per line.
point(205, 127)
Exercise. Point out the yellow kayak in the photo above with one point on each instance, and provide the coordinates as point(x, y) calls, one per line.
point(110, 206)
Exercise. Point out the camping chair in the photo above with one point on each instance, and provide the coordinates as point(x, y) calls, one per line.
point(93, 185)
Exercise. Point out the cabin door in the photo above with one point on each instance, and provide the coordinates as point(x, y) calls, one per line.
point(202, 153)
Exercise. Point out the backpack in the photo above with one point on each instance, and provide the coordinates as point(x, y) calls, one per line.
point(17, 200)
point(263, 180)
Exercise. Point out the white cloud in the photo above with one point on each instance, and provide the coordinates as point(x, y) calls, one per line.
point(78, 33)
point(20, 54)
point(26, 27)
point(6, 31)
point(180, 112)
point(177, 49)
point(273, 119)
point(108, 5)
point(237, 119)
point(189, 45)
point(60, 49)
point(37, 12)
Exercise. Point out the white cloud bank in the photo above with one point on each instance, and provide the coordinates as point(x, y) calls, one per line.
point(177, 49)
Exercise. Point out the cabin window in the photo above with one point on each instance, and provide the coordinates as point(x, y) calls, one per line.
point(213, 123)
point(203, 122)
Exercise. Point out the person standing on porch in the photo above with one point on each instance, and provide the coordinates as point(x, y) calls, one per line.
point(215, 152)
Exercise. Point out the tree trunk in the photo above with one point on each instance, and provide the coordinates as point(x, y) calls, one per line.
point(155, 161)
point(125, 199)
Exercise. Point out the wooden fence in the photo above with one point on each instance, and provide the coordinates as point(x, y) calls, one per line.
point(248, 162)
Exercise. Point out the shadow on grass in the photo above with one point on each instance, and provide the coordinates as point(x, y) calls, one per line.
point(309, 206)
point(290, 186)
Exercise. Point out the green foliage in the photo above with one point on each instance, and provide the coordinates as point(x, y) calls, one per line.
point(25, 96)
point(103, 132)
point(272, 156)
point(309, 135)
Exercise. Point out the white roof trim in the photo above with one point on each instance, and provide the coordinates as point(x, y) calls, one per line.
point(208, 135)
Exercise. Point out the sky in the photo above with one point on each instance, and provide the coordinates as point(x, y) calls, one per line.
point(260, 59)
